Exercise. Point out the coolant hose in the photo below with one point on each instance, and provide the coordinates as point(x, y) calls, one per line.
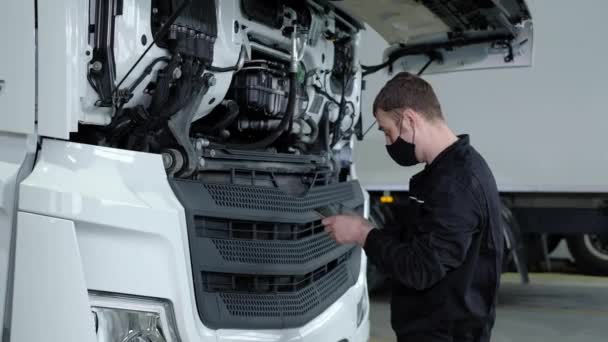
point(314, 129)
point(232, 109)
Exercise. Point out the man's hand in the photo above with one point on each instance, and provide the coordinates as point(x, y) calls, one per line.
point(347, 229)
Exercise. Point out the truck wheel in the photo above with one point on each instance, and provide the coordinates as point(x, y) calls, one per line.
point(590, 253)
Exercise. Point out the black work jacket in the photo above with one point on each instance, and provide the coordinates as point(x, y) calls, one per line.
point(445, 256)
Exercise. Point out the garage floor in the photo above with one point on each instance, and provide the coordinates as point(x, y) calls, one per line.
point(554, 307)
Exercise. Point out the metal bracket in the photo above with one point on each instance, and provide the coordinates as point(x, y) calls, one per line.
point(180, 125)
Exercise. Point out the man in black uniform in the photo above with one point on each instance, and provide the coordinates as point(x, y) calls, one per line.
point(445, 257)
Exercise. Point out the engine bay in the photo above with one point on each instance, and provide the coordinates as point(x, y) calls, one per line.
point(267, 85)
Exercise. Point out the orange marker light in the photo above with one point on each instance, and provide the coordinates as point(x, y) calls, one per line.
point(386, 199)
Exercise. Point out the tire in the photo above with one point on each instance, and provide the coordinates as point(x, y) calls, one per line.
point(590, 253)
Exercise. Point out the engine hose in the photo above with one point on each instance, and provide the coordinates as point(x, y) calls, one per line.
point(289, 114)
point(324, 129)
point(147, 72)
point(239, 64)
point(314, 129)
point(120, 130)
point(222, 69)
point(233, 112)
point(337, 125)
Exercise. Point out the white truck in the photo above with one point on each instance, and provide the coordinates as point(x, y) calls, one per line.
point(542, 130)
point(164, 164)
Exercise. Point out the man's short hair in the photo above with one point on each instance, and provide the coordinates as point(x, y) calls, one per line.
point(407, 91)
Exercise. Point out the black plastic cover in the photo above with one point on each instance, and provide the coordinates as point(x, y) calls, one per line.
point(267, 12)
point(462, 15)
point(265, 91)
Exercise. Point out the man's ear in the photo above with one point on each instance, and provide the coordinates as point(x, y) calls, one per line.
point(411, 116)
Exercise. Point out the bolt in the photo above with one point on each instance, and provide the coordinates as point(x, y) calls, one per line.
point(177, 73)
point(167, 160)
point(212, 153)
point(97, 66)
point(173, 32)
point(210, 80)
point(155, 10)
point(202, 162)
point(201, 143)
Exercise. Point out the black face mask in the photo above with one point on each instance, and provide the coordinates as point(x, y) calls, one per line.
point(403, 152)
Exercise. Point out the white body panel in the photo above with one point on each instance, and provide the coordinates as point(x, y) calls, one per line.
point(17, 67)
point(132, 237)
point(541, 129)
point(14, 160)
point(61, 65)
point(50, 301)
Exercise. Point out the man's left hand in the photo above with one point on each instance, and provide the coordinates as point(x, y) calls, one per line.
point(348, 229)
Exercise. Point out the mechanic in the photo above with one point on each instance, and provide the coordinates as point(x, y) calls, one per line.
point(445, 256)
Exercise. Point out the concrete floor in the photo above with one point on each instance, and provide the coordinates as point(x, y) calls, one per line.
point(554, 307)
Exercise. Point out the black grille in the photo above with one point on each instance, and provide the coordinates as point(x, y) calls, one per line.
point(270, 199)
point(260, 257)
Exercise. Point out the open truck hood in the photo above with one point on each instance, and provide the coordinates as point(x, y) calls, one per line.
point(441, 35)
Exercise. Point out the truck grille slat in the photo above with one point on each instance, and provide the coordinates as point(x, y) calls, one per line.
point(223, 282)
point(270, 199)
point(274, 253)
point(286, 303)
point(250, 230)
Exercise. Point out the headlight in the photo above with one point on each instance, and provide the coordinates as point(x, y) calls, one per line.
point(121, 318)
point(362, 307)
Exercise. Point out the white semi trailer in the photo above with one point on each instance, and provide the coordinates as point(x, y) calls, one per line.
point(542, 130)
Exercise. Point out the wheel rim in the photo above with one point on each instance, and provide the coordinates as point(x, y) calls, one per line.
point(596, 245)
